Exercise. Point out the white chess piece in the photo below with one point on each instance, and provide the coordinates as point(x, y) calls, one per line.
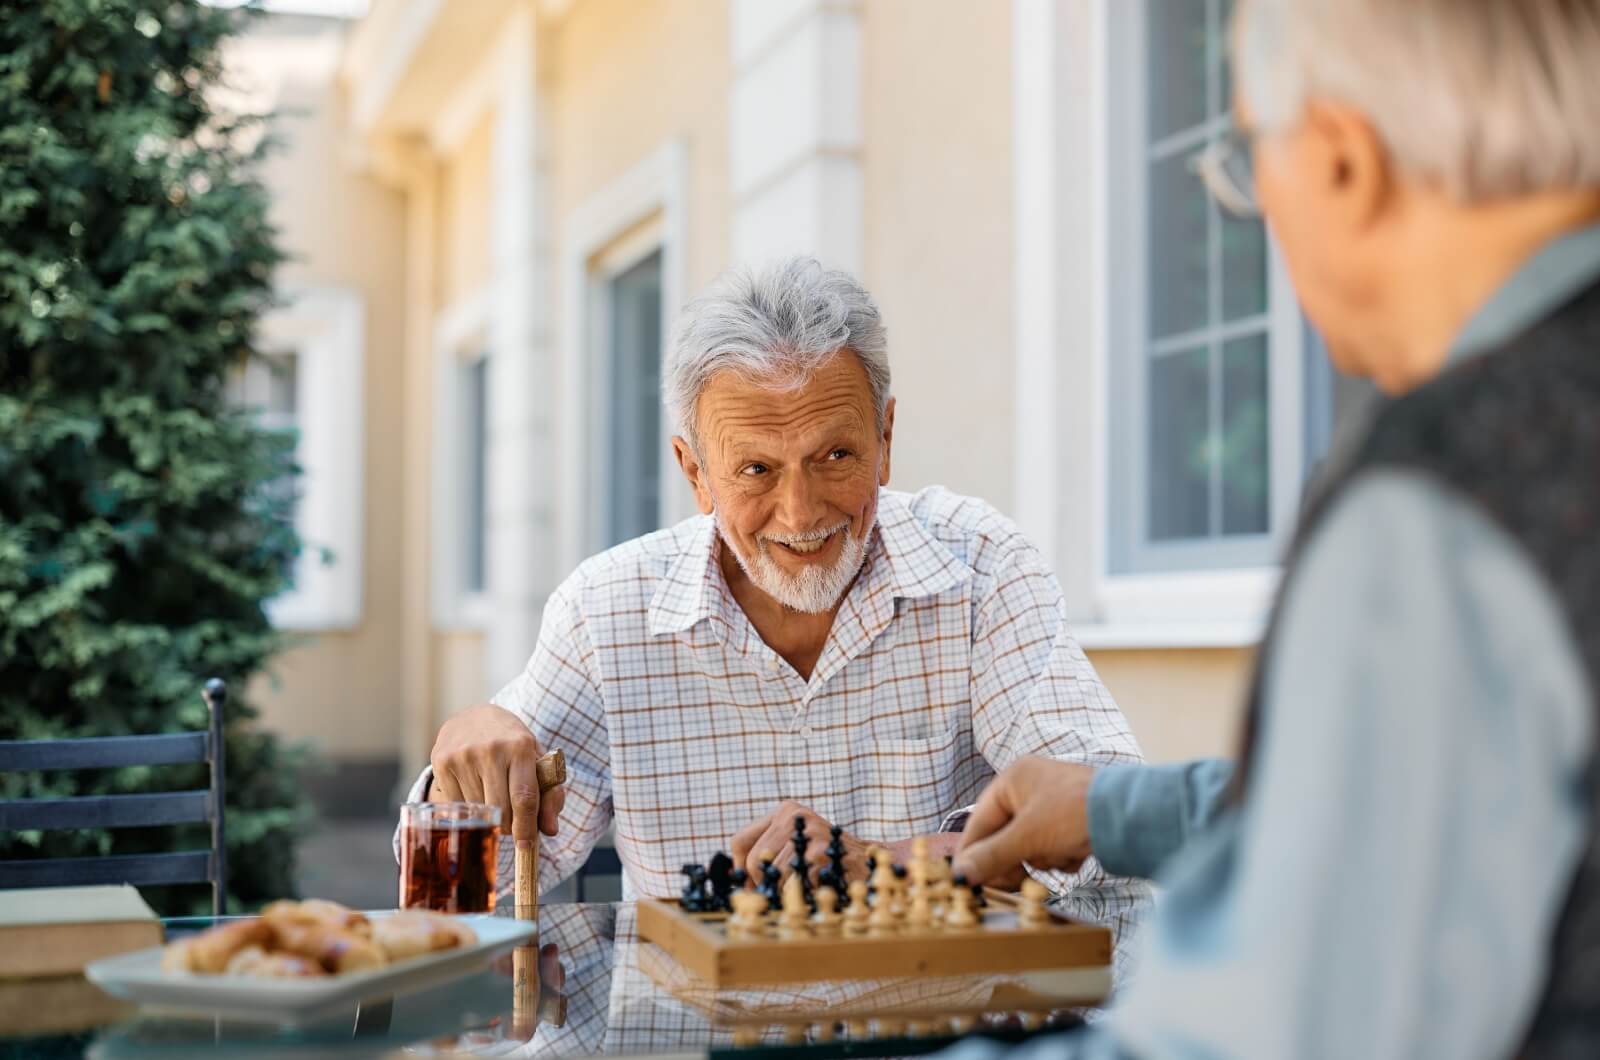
point(855, 917)
point(749, 907)
point(1033, 912)
point(960, 915)
point(828, 919)
point(792, 921)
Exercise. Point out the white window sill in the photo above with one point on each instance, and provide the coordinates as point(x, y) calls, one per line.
point(1206, 609)
point(1157, 636)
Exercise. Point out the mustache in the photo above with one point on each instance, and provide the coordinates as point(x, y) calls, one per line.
point(809, 535)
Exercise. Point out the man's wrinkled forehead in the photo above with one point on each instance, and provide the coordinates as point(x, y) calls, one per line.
point(735, 405)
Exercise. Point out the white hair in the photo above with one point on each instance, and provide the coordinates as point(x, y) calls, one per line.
point(1488, 99)
point(775, 325)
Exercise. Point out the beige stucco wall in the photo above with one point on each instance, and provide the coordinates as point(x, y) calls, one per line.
point(341, 692)
point(1181, 704)
point(936, 110)
point(465, 263)
point(628, 76)
point(458, 677)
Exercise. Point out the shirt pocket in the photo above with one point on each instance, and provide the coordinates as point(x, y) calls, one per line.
point(891, 789)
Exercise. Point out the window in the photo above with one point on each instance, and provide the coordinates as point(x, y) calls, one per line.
point(463, 374)
point(621, 267)
point(472, 394)
point(631, 454)
point(1208, 436)
point(632, 463)
point(308, 378)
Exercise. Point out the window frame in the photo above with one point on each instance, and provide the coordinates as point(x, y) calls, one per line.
point(1128, 353)
point(1064, 100)
point(325, 329)
point(622, 222)
point(622, 254)
point(461, 336)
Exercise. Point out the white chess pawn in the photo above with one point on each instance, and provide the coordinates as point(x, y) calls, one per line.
point(855, 917)
point(885, 918)
point(1033, 912)
point(828, 919)
point(960, 915)
point(792, 921)
point(749, 907)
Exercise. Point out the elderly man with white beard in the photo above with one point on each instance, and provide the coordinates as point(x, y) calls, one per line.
point(813, 644)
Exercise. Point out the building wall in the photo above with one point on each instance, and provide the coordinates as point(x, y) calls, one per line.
point(629, 76)
point(1181, 703)
point(936, 163)
point(465, 262)
point(341, 229)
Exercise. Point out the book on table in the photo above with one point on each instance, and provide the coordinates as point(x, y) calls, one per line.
point(48, 931)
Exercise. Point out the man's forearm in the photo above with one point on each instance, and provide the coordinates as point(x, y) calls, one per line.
point(1139, 816)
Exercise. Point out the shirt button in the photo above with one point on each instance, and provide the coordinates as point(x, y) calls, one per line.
point(807, 732)
point(774, 663)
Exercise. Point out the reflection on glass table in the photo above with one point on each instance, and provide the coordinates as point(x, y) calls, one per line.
point(591, 988)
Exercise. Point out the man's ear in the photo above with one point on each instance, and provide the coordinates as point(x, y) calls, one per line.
point(888, 439)
point(1348, 160)
point(695, 472)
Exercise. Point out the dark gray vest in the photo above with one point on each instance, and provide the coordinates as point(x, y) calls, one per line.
point(1516, 432)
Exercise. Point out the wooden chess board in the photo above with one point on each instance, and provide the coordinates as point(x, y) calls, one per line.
point(998, 943)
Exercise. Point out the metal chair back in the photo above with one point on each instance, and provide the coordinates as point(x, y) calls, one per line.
point(602, 863)
point(123, 811)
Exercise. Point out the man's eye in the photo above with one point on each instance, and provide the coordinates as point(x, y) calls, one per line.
point(754, 469)
point(839, 454)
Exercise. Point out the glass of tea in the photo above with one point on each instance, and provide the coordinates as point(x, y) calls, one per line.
point(448, 855)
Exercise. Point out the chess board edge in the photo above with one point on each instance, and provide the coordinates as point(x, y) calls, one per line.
point(697, 942)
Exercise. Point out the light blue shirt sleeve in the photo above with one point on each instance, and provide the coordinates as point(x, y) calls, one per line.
point(1139, 815)
point(1413, 822)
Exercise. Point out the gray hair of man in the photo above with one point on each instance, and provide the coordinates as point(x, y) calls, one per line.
point(1486, 99)
point(775, 325)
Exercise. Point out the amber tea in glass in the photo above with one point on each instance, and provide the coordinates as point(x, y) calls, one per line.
point(448, 854)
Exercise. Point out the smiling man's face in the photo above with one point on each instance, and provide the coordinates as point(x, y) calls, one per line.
point(792, 475)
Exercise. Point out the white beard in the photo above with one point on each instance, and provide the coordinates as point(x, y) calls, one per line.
point(814, 590)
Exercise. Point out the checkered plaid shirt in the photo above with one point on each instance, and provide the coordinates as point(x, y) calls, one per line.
point(948, 659)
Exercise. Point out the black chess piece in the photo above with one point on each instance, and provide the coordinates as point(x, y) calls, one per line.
point(721, 876)
point(872, 871)
point(739, 878)
point(978, 899)
point(838, 878)
point(798, 863)
point(770, 877)
point(695, 899)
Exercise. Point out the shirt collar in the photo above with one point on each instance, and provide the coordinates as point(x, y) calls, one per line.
point(902, 551)
point(1555, 273)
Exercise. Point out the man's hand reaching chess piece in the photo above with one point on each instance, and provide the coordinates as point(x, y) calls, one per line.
point(1033, 812)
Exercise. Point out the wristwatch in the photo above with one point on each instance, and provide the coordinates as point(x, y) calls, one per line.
point(956, 820)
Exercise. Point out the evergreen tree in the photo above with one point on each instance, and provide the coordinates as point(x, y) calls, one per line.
point(143, 521)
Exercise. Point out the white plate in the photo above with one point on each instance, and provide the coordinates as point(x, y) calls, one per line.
point(138, 977)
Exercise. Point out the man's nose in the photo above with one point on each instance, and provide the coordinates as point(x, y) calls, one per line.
point(800, 508)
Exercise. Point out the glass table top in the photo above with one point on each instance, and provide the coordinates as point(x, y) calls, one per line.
point(601, 993)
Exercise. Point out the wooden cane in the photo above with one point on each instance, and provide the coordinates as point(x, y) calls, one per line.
point(551, 771)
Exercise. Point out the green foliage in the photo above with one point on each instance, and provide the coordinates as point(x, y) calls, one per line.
point(143, 521)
